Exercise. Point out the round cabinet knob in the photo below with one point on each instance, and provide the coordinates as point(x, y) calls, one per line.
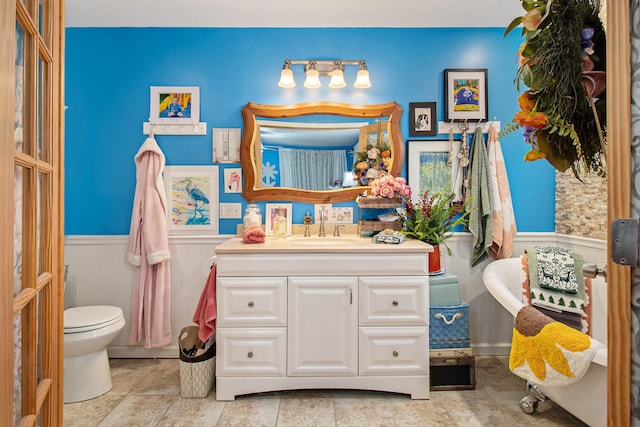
point(395, 353)
point(250, 354)
point(250, 304)
point(394, 303)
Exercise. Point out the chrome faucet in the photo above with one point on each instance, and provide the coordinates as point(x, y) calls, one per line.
point(336, 230)
point(321, 234)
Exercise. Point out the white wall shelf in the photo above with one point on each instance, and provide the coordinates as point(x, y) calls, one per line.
point(199, 128)
point(443, 127)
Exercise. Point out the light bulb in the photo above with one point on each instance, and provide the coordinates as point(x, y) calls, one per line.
point(362, 79)
point(337, 79)
point(286, 77)
point(313, 78)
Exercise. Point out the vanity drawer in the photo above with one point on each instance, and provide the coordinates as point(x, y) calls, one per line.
point(251, 352)
point(394, 351)
point(251, 301)
point(394, 300)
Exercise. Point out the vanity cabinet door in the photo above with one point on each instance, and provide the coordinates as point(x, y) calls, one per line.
point(323, 326)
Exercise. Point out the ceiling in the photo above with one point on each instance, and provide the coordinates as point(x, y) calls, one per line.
point(291, 13)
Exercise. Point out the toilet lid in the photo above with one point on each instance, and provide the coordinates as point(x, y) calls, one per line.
point(80, 319)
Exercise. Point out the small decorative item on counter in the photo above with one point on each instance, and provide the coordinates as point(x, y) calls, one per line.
point(253, 234)
point(252, 216)
point(388, 236)
point(280, 225)
point(307, 220)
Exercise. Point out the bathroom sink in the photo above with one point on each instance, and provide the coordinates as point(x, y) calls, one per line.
point(324, 241)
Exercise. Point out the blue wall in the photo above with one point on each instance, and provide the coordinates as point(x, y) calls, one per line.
point(109, 71)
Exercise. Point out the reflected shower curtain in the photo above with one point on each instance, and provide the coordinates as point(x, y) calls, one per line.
point(311, 169)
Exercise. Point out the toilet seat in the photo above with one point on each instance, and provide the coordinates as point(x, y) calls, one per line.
point(89, 318)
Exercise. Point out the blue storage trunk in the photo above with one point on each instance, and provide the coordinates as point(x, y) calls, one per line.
point(444, 290)
point(449, 326)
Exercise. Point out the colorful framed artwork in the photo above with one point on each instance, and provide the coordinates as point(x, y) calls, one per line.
point(465, 94)
point(422, 119)
point(191, 198)
point(232, 180)
point(434, 166)
point(175, 104)
point(271, 209)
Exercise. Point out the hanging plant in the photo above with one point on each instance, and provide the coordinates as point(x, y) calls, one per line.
point(562, 63)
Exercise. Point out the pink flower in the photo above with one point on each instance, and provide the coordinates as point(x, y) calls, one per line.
point(405, 191)
point(387, 191)
point(373, 153)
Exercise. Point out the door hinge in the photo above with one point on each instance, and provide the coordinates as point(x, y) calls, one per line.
point(624, 241)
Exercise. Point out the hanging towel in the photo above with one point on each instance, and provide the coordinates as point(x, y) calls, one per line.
point(547, 352)
point(206, 311)
point(555, 279)
point(148, 249)
point(479, 193)
point(503, 224)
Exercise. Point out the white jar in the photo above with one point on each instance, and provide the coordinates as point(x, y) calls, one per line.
point(252, 216)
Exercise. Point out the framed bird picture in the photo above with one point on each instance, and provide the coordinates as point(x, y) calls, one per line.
point(191, 199)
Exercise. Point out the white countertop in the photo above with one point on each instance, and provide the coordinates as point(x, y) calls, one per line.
point(351, 244)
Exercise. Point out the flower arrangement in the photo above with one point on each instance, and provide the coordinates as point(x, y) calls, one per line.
point(564, 42)
point(372, 163)
point(432, 217)
point(390, 187)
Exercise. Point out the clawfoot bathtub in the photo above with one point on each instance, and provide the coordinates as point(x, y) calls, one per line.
point(585, 399)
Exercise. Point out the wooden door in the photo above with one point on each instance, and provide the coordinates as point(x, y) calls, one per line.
point(31, 129)
point(322, 335)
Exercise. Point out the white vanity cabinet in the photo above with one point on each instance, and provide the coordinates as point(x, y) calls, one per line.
point(295, 316)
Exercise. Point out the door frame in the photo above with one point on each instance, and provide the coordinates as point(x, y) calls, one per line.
point(618, 206)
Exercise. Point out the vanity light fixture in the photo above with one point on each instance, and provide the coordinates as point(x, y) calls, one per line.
point(313, 77)
point(315, 68)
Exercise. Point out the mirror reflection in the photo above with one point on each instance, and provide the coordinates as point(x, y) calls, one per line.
point(317, 156)
point(314, 152)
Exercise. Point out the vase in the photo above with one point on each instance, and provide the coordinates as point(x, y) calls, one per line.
point(434, 260)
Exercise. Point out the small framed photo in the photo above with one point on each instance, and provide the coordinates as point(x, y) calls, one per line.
point(434, 166)
point(191, 198)
point(174, 104)
point(271, 210)
point(422, 119)
point(465, 94)
point(232, 180)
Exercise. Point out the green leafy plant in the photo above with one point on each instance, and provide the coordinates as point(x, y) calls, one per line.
point(432, 217)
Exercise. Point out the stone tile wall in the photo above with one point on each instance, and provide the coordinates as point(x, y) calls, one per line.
point(581, 207)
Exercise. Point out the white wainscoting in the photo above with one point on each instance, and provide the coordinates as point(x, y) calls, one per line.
point(99, 274)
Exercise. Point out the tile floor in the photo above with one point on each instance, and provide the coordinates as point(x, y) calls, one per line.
point(146, 392)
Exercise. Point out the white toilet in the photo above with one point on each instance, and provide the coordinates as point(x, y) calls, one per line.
point(87, 332)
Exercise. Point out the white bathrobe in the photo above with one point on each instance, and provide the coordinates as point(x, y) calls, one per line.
point(149, 249)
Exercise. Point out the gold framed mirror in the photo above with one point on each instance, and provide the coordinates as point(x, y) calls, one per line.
point(315, 125)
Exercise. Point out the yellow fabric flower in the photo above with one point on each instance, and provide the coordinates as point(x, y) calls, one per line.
point(545, 346)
